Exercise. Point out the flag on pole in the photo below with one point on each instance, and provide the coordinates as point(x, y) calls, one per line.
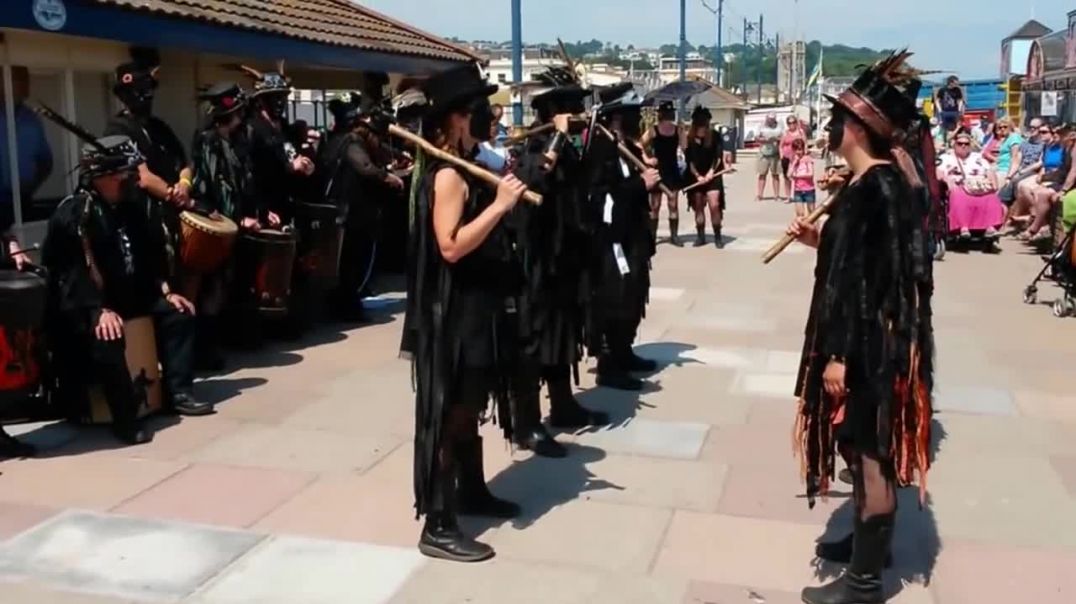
point(816, 73)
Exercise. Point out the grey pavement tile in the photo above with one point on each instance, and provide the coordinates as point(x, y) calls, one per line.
point(498, 581)
point(975, 399)
point(773, 385)
point(665, 294)
point(122, 557)
point(637, 436)
point(289, 570)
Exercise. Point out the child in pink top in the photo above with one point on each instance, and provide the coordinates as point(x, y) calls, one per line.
point(801, 172)
point(793, 132)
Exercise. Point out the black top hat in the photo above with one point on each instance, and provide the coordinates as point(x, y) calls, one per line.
point(883, 97)
point(135, 77)
point(701, 115)
point(110, 155)
point(666, 107)
point(348, 107)
point(564, 88)
point(455, 88)
point(271, 82)
point(619, 97)
point(223, 99)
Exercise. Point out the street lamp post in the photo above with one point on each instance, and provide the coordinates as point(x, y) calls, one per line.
point(517, 60)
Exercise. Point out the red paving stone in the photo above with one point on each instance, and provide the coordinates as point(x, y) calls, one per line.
point(216, 494)
point(92, 482)
point(17, 517)
point(976, 573)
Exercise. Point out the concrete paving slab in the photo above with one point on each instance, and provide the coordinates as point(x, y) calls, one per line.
point(286, 570)
point(996, 574)
point(122, 557)
point(665, 294)
point(229, 496)
point(497, 580)
point(773, 385)
point(677, 440)
point(25, 592)
point(975, 399)
point(91, 482)
point(17, 517)
point(297, 449)
point(587, 534)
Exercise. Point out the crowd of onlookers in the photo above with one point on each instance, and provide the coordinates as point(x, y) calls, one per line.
point(997, 173)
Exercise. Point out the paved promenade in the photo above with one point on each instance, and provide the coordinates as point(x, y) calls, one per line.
point(299, 490)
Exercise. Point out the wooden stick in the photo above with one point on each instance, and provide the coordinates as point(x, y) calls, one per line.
point(480, 173)
point(524, 133)
point(787, 240)
point(628, 155)
point(700, 183)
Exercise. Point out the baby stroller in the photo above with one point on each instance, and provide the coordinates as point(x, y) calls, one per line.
point(1060, 267)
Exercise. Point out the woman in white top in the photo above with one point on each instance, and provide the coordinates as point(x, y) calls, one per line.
point(974, 207)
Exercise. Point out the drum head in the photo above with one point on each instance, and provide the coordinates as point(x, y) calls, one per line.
point(217, 224)
point(269, 235)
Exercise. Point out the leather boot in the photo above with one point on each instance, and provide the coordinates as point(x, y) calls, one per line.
point(611, 375)
point(719, 243)
point(862, 582)
point(654, 228)
point(529, 433)
point(564, 410)
point(635, 363)
point(700, 235)
point(441, 535)
point(841, 551)
point(674, 232)
point(474, 496)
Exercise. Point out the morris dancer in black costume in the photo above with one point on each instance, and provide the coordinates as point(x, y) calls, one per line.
point(705, 159)
point(662, 143)
point(553, 238)
point(623, 241)
point(106, 258)
point(357, 181)
point(460, 329)
point(866, 377)
point(221, 185)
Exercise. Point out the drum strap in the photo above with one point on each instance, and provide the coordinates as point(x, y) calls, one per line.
point(87, 249)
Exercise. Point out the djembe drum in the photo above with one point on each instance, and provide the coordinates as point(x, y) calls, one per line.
point(264, 261)
point(205, 241)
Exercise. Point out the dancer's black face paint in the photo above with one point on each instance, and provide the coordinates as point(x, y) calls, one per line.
point(836, 130)
point(482, 119)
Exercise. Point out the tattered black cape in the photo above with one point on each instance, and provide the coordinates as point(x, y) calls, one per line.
point(870, 307)
point(436, 324)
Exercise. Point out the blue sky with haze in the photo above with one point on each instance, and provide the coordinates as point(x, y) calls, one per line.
point(960, 35)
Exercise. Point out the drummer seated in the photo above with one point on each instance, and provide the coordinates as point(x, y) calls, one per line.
point(974, 206)
point(106, 257)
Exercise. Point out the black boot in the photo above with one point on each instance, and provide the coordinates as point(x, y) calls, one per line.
point(862, 582)
point(700, 236)
point(473, 492)
point(654, 228)
point(635, 363)
point(841, 551)
point(184, 403)
point(529, 433)
point(719, 243)
point(441, 535)
point(612, 375)
point(11, 448)
point(674, 232)
point(565, 412)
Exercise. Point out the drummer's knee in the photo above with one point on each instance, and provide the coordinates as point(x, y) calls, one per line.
point(109, 353)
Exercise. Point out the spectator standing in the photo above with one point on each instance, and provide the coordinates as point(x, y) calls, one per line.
point(950, 103)
point(34, 154)
point(769, 156)
point(793, 132)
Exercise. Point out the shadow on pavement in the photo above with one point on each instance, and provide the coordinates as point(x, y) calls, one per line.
point(540, 484)
point(916, 543)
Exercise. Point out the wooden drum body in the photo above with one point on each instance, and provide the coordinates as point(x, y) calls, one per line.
point(321, 238)
point(205, 241)
point(264, 262)
point(22, 308)
point(141, 352)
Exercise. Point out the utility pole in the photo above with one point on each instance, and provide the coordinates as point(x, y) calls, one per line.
point(683, 52)
point(743, 62)
point(758, 70)
point(517, 61)
point(720, 49)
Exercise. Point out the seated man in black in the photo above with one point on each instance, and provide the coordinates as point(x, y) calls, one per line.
point(105, 252)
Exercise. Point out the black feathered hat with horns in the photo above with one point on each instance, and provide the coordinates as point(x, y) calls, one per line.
point(564, 90)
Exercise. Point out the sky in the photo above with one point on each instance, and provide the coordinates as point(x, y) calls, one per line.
point(962, 36)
